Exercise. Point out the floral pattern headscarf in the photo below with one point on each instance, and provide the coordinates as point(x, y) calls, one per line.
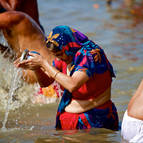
point(67, 39)
point(87, 55)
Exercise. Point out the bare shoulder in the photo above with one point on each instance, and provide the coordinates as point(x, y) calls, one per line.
point(135, 106)
point(10, 18)
point(13, 13)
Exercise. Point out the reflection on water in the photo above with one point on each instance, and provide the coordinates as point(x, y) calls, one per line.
point(117, 31)
point(43, 136)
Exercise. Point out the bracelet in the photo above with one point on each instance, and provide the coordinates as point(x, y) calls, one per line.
point(56, 74)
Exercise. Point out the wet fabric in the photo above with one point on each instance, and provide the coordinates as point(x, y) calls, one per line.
point(132, 129)
point(90, 89)
point(104, 116)
point(87, 56)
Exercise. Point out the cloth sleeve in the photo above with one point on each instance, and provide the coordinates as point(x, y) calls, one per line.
point(85, 63)
point(91, 63)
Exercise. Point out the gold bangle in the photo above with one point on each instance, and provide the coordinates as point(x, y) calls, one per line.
point(56, 74)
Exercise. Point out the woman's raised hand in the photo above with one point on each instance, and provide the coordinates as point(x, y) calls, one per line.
point(34, 62)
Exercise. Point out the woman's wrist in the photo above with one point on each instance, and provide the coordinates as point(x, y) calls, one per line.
point(54, 77)
point(52, 71)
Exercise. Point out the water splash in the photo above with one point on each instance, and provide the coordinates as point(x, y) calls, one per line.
point(14, 92)
point(14, 85)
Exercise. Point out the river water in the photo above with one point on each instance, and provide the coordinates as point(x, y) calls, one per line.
point(116, 31)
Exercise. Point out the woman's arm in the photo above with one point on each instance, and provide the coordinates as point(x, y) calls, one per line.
point(46, 72)
point(71, 83)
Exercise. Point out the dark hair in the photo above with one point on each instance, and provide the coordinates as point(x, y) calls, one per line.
point(52, 46)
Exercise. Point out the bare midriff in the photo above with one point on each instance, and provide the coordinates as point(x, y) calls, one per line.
point(79, 106)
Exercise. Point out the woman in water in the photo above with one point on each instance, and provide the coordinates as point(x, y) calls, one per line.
point(84, 72)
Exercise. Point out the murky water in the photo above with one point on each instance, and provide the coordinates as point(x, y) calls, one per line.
point(121, 37)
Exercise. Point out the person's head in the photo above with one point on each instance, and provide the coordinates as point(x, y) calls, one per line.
point(58, 53)
point(65, 41)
